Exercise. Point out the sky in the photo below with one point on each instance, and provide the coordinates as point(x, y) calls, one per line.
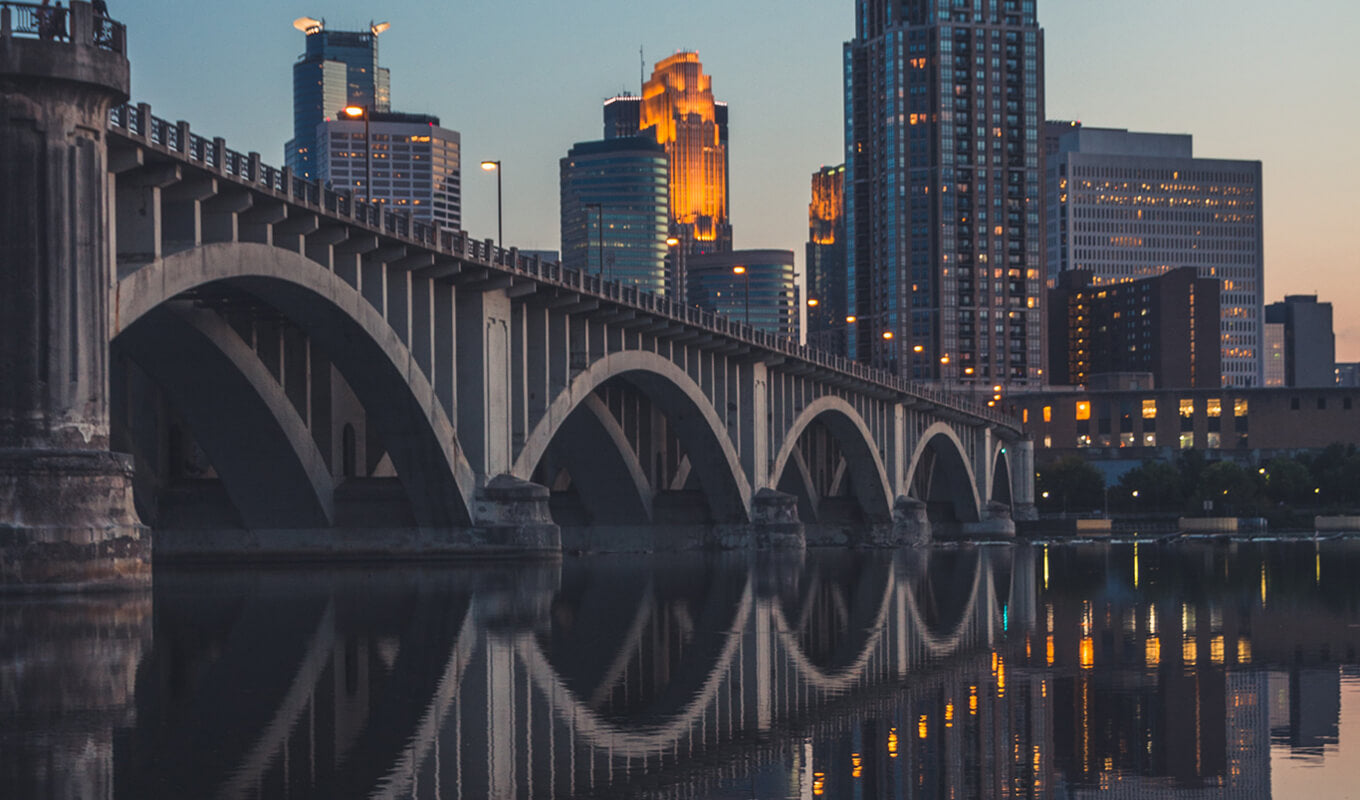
point(522, 80)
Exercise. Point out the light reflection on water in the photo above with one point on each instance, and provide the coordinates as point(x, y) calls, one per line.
point(1193, 670)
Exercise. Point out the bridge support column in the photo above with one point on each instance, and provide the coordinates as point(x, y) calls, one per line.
point(66, 513)
point(910, 525)
point(1022, 481)
point(774, 525)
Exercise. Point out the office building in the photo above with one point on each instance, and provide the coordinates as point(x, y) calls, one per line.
point(614, 210)
point(754, 286)
point(1166, 326)
point(622, 114)
point(1309, 343)
point(825, 259)
point(338, 69)
point(942, 112)
point(1273, 336)
point(1128, 205)
point(678, 109)
point(414, 162)
point(1348, 374)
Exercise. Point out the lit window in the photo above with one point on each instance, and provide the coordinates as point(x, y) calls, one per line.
point(1187, 408)
point(1083, 409)
point(1149, 409)
point(1240, 407)
point(1187, 441)
point(1214, 407)
point(1048, 413)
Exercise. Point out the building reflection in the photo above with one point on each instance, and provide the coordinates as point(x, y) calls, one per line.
point(967, 672)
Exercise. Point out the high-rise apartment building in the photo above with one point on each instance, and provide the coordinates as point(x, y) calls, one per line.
point(943, 110)
point(415, 164)
point(339, 68)
point(825, 260)
point(1130, 205)
point(614, 210)
point(678, 109)
point(1309, 342)
point(1166, 326)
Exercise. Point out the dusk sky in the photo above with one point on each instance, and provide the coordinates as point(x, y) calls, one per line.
point(522, 81)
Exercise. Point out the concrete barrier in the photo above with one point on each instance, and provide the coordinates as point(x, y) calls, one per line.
point(1207, 524)
point(1336, 523)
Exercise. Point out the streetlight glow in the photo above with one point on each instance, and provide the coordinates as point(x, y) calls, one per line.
point(353, 112)
point(671, 241)
point(812, 302)
point(491, 166)
point(917, 349)
point(887, 334)
point(739, 270)
point(850, 319)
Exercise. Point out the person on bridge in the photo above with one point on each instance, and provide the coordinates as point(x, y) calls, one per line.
point(44, 15)
point(59, 23)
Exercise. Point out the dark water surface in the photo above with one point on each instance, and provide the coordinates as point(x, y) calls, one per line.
point(1190, 670)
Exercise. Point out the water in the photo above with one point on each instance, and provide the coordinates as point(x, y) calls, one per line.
point(1194, 670)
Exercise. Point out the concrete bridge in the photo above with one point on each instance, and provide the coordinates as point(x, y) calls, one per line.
point(662, 680)
point(294, 373)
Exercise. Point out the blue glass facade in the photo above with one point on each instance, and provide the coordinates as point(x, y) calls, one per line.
point(614, 210)
point(755, 286)
point(339, 68)
point(943, 114)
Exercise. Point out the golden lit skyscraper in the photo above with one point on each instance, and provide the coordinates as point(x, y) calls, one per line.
point(678, 106)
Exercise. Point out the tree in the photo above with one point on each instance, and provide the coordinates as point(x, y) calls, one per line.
point(1158, 485)
point(1232, 489)
point(1070, 485)
point(1288, 482)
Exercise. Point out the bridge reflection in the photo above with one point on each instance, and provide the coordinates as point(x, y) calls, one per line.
point(971, 672)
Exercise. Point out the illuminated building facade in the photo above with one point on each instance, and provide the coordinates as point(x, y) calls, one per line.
point(677, 107)
point(943, 112)
point(614, 200)
point(1133, 205)
point(415, 164)
point(826, 261)
point(339, 68)
point(1166, 326)
point(755, 286)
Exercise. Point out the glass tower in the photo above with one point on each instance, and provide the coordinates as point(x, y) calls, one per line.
point(753, 286)
point(614, 210)
point(826, 261)
point(943, 110)
point(339, 68)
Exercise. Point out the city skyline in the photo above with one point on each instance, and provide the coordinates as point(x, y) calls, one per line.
point(1204, 76)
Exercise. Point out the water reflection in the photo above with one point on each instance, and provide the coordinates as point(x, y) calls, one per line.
point(967, 672)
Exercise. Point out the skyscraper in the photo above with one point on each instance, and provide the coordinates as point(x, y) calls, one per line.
point(678, 107)
point(415, 164)
point(614, 196)
point(339, 68)
point(943, 105)
point(752, 286)
point(1128, 205)
point(825, 261)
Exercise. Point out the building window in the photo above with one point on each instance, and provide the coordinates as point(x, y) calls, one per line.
point(1149, 409)
point(1215, 440)
point(1048, 441)
point(1149, 440)
point(1083, 409)
point(1084, 440)
point(1024, 415)
point(1048, 413)
point(1214, 408)
point(1187, 441)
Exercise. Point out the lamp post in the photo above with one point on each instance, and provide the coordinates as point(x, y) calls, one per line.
point(495, 166)
point(677, 267)
point(746, 290)
point(599, 218)
point(357, 112)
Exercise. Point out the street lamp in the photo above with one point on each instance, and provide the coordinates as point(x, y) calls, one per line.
point(495, 166)
point(746, 290)
point(599, 217)
point(361, 112)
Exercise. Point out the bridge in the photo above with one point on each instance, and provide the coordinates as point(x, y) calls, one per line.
point(295, 374)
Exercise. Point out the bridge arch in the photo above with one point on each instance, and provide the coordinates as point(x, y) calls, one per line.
point(211, 376)
point(712, 456)
point(868, 475)
point(396, 395)
point(939, 473)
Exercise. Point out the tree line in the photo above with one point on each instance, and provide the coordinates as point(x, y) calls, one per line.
point(1328, 480)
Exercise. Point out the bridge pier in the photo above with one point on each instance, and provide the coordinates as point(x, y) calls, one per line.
point(66, 513)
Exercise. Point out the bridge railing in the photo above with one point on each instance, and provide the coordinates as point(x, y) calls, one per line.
point(138, 122)
point(77, 24)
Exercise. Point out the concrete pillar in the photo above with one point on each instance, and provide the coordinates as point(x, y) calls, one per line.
point(1022, 480)
point(66, 514)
